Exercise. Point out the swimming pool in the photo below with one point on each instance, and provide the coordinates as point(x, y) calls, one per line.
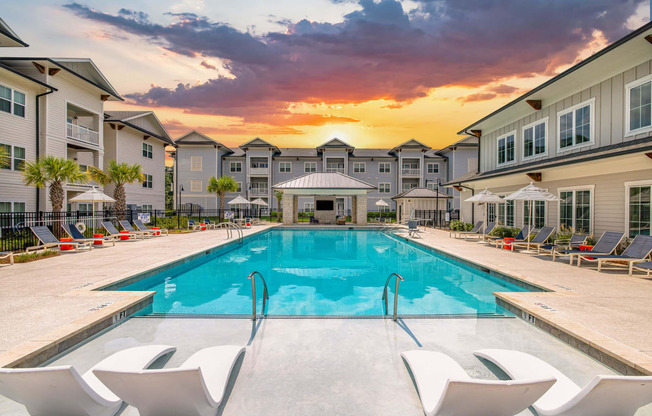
point(324, 273)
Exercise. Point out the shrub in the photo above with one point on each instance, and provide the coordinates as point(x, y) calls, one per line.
point(457, 225)
point(504, 232)
point(28, 257)
point(562, 236)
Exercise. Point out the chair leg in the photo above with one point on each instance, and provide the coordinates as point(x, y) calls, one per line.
point(599, 264)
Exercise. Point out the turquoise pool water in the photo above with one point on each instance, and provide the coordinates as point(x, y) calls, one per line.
point(324, 272)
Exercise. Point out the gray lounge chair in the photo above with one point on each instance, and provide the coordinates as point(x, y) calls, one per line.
point(413, 229)
point(521, 236)
point(127, 227)
point(539, 240)
point(481, 233)
point(573, 243)
point(605, 245)
point(142, 227)
point(644, 267)
point(74, 232)
point(112, 231)
point(48, 240)
point(7, 254)
point(637, 251)
point(456, 234)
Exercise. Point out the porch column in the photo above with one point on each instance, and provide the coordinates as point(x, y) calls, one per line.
point(288, 208)
point(295, 209)
point(361, 209)
point(354, 210)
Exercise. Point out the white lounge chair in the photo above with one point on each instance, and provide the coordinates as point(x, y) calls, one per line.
point(446, 389)
point(196, 388)
point(602, 396)
point(61, 391)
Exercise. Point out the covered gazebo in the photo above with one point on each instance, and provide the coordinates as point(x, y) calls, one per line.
point(419, 199)
point(325, 187)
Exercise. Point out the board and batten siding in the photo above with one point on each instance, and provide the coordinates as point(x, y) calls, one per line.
point(608, 123)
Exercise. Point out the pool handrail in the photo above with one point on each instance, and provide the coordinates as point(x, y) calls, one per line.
point(398, 278)
point(252, 277)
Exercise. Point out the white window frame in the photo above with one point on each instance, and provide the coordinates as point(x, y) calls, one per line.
point(533, 126)
point(311, 164)
point(149, 179)
point(428, 168)
point(526, 220)
point(194, 188)
point(232, 164)
point(147, 207)
point(627, 186)
point(498, 139)
point(389, 188)
point(12, 205)
point(281, 164)
point(359, 165)
point(573, 189)
point(628, 89)
point(504, 219)
point(239, 190)
point(149, 149)
point(12, 158)
point(590, 102)
point(12, 102)
point(387, 166)
point(196, 163)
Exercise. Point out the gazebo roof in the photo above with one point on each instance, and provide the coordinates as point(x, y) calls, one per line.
point(421, 193)
point(324, 180)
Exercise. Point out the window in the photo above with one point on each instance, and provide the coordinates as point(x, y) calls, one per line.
point(236, 167)
point(308, 206)
point(239, 189)
point(5, 158)
point(196, 186)
point(147, 150)
point(491, 212)
point(146, 207)
point(407, 186)
point(385, 187)
point(147, 181)
point(196, 163)
point(285, 167)
point(575, 125)
point(534, 139)
point(506, 148)
point(575, 210)
point(506, 213)
point(19, 207)
point(359, 167)
point(14, 158)
point(309, 167)
point(539, 219)
point(12, 101)
point(384, 167)
point(262, 164)
point(640, 210)
point(433, 167)
point(7, 206)
point(638, 116)
point(83, 168)
point(432, 185)
point(335, 167)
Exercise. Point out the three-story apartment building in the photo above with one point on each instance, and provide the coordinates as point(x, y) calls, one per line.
point(584, 135)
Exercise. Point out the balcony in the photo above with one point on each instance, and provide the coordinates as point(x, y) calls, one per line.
point(411, 172)
point(259, 191)
point(333, 170)
point(258, 171)
point(83, 134)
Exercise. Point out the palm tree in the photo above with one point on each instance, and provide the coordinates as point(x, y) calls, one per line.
point(53, 171)
point(118, 174)
point(221, 186)
point(279, 197)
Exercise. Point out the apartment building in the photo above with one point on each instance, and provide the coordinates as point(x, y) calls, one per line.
point(258, 165)
point(584, 135)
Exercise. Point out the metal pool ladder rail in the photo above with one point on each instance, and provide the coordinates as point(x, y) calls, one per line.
point(229, 230)
point(252, 277)
point(399, 278)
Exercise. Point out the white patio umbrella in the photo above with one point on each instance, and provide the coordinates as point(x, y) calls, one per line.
point(381, 203)
point(92, 195)
point(531, 193)
point(487, 197)
point(259, 202)
point(239, 200)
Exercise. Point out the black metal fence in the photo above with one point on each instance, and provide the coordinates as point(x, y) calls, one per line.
point(438, 218)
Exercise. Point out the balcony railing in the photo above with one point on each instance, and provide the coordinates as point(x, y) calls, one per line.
point(411, 171)
point(259, 191)
point(340, 170)
point(83, 134)
point(259, 171)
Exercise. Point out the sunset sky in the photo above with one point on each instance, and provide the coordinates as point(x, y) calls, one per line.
point(299, 72)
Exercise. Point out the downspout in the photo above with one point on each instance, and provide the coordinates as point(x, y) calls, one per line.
point(38, 141)
point(477, 171)
point(472, 205)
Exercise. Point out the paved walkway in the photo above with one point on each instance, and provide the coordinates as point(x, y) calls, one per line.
point(608, 310)
point(45, 301)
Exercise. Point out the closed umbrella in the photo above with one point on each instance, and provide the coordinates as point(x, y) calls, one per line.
point(531, 193)
point(486, 197)
point(92, 195)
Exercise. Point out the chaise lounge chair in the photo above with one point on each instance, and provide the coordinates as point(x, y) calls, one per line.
point(446, 389)
point(209, 225)
point(127, 227)
point(476, 228)
point(74, 232)
point(112, 231)
point(602, 396)
point(539, 240)
point(7, 254)
point(607, 244)
point(573, 243)
point(196, 388)
point(61, 390)
point(48, 240)
point(521, 236)
point(192, 226)
point(639, 250)
point(481, 233)
point(644, 267)
point(142, 227)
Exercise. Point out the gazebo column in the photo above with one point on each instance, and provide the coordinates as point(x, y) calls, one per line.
point(361, 209)
point(288, 208)
point(354, 210)
point(295, 209)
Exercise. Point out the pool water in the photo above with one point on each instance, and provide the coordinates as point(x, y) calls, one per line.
point(324, 272)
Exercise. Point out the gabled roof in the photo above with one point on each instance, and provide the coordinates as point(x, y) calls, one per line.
point(8, 37)
point(411, 144)
point(257, 142)
point(335, 143)
point(197, 138)
point(421, 193)
point(20, 74)
point(129, 118)
point(467, 142)
point(324, 180)
point(82, 68)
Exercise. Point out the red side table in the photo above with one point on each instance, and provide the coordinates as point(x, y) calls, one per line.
point(202, 228)
point(156, 232)
point(586, 247)
point(508, 246)
point(124, 237)
point(98, 242)
point(66, 247)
